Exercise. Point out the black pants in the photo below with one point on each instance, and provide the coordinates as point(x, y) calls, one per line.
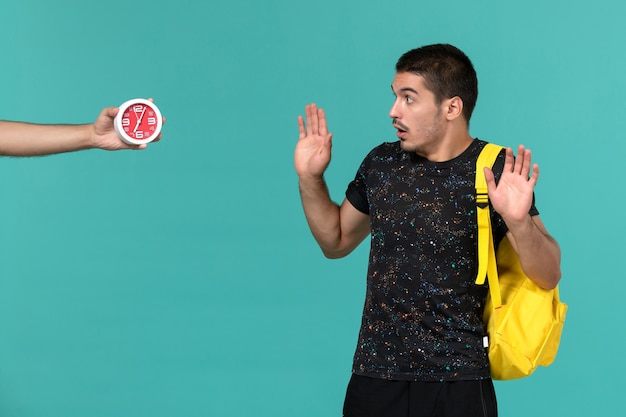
point(371, 397)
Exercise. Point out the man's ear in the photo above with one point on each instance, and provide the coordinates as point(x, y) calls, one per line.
point(454, 108)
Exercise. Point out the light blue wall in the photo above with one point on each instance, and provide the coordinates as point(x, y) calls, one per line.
point(183, 280)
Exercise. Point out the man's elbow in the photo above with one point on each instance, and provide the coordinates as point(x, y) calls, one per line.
point(340, 248)
point(337, 251)
point(335, 254)
point(550, 282)
point(556, 279)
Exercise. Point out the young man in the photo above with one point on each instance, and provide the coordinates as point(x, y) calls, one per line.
point(27, 139)
point(419, 351)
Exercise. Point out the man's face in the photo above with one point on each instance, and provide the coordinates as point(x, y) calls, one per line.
point(418, 118)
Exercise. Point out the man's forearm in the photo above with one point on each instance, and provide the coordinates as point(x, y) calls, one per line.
point(322, 214)
point(26, 139)
point(539, 253)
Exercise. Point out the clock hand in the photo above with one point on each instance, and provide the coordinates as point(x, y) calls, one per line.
point(139, 120)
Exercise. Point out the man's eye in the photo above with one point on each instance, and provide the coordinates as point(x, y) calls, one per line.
point(409, 99)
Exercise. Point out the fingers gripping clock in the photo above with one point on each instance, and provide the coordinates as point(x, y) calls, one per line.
point(138, 121)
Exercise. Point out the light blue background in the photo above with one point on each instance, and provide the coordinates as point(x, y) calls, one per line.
point(183, 280)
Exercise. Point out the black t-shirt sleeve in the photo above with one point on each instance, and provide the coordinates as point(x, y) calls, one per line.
point(356, 198)
point(356, 193)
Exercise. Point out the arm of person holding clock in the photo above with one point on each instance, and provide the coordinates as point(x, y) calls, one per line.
point(29, 139)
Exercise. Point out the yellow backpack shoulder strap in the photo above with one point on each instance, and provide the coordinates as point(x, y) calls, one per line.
point(486, 158)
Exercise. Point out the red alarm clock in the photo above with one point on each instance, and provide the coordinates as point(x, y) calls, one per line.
point(138, 121)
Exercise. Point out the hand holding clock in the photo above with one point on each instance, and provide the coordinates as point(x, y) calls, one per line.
point(30, 139)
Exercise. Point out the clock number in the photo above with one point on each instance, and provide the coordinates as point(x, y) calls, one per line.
point(139, 135)
point(151, 120)
point(125, 121)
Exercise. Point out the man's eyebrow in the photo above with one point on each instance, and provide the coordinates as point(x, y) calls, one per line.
point(406, 89)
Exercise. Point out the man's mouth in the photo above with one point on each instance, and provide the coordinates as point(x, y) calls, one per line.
point(400, 126)
point(401, 129)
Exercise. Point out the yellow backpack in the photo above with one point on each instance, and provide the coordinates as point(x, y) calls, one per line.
point(524, 322)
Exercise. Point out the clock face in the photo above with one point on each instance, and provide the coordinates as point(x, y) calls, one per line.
point(138, 121)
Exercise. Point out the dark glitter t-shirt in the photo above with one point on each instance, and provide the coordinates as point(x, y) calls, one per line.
point(422, 318)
